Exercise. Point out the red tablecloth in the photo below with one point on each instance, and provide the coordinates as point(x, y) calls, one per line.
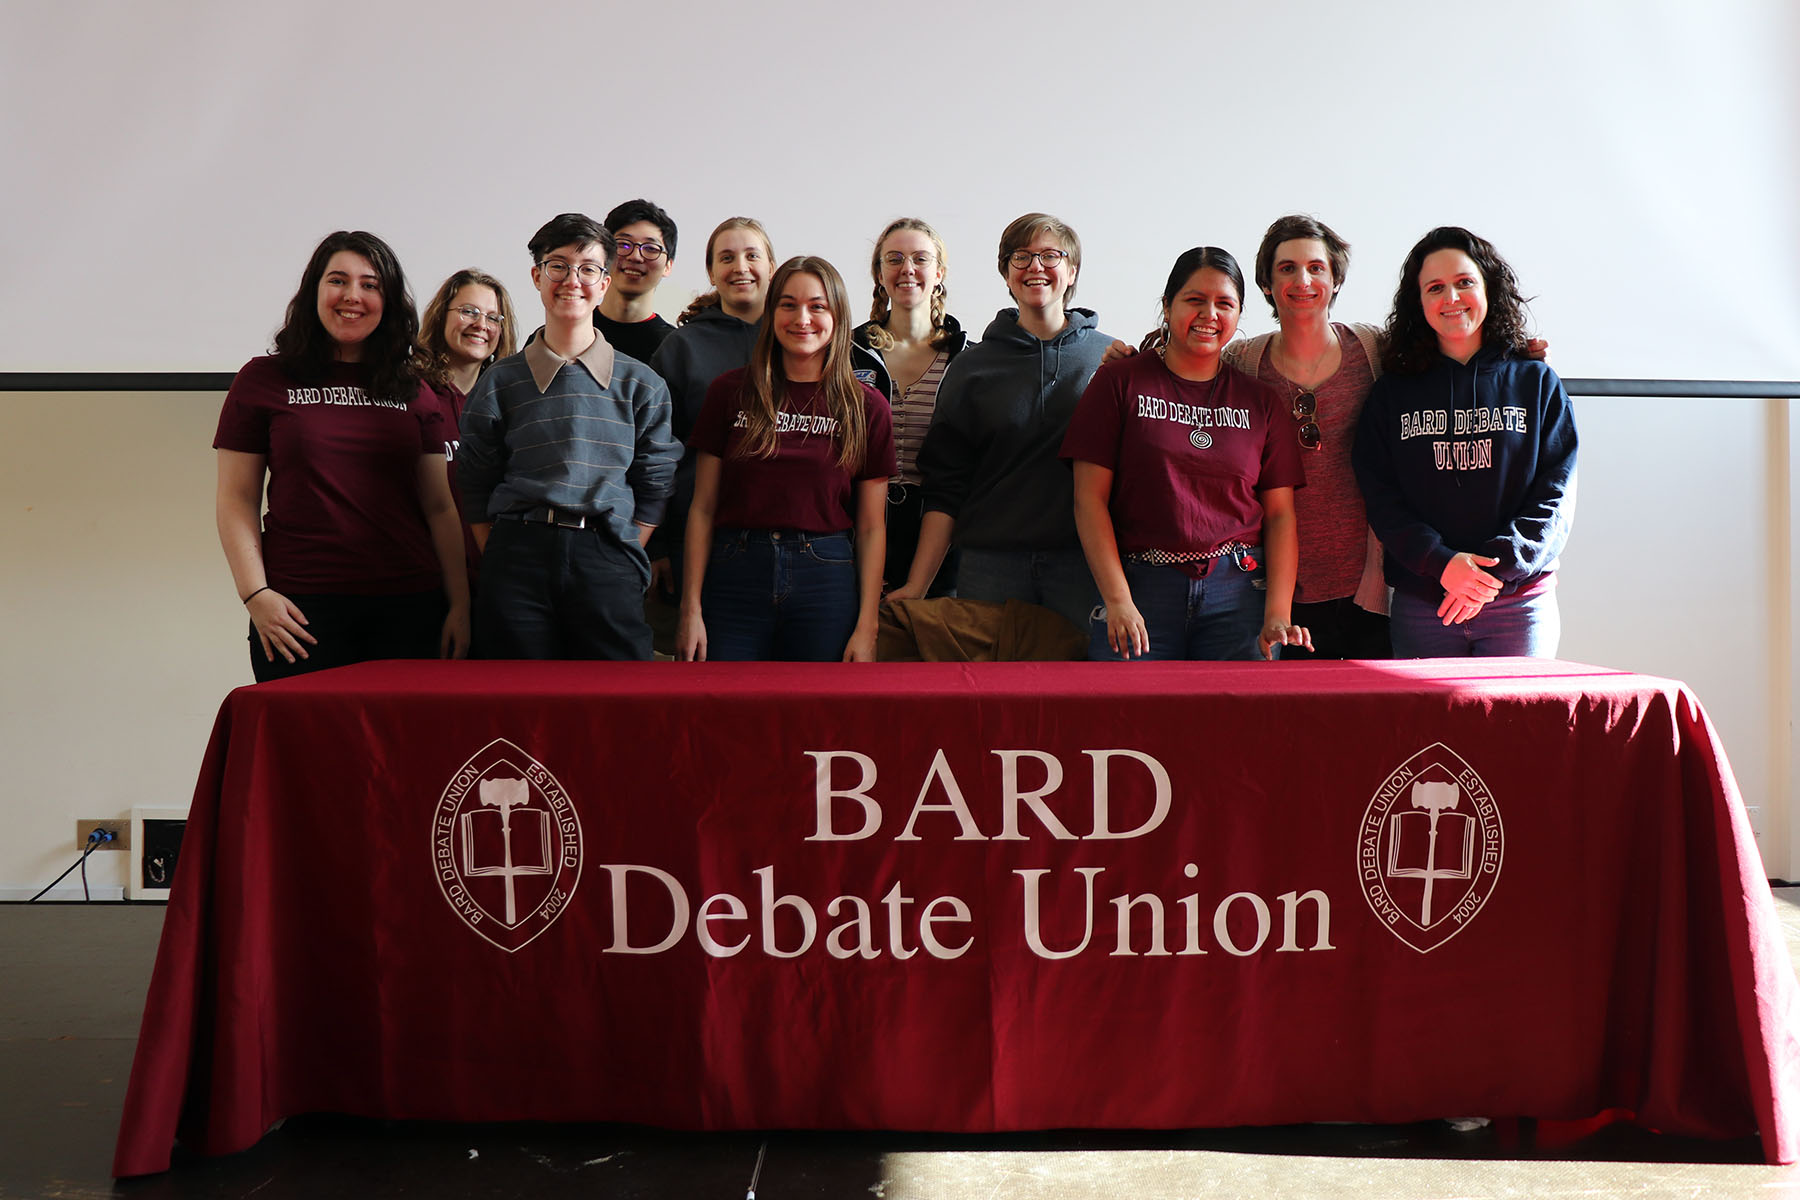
point(891, 897)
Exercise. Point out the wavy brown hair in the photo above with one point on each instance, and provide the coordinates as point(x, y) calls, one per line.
point(434, 350)
point(711, 299)
point(1411, 345)
point(879, 337)
point(304, 351)
point(766, 383)
point(1293, 227)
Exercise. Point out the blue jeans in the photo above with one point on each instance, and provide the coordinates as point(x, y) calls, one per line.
point(1515, 626)
point(1057, 579)
point(1213, 618)
point(779, 595)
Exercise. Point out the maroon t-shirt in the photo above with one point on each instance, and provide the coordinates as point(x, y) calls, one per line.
point(1187, 458)
point(449, 401)
point(801, 486)
point(343, 490)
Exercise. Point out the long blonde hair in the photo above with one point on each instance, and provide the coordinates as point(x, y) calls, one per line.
point(711, 299)
point(766, 382)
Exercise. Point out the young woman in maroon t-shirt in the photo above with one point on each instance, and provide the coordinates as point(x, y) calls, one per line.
point(1184, 488)
point(468, 326)
point(786, 536)
point(360, 555)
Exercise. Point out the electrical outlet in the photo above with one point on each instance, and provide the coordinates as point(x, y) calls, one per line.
point(121, 831)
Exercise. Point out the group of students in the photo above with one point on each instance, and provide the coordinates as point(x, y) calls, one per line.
point(781, 473)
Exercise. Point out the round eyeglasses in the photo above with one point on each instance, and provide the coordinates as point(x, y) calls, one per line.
point(648, 251)
point(1021, 259)
point(471, 314)
point(557, 270)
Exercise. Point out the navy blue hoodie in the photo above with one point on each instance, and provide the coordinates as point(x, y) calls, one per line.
point(990, 460)
point(1477, 457)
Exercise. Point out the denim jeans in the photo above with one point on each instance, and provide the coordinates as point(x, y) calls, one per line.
point(1214, 618)
point(1057, 579)
point(1516, 626)
point(779, 595)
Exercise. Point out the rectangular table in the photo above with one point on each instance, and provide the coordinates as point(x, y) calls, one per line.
point(941, 897)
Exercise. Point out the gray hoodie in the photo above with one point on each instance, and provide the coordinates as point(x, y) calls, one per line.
point(990, 460)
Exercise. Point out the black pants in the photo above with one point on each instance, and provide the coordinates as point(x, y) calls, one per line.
point(1340, 630)
point(550, 592)
point(353, 629)
point(905, 513)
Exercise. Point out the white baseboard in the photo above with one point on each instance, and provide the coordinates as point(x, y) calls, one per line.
point(63, 892)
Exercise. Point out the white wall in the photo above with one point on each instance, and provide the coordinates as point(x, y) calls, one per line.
point(169, 168)
point(1638, 161)
point(119, 630)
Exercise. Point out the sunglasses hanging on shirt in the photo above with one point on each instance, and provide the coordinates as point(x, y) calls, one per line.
point(1306, 411)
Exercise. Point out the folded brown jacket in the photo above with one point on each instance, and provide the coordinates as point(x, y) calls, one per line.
point(955, 630)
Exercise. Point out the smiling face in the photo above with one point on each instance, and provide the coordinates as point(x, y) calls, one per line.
point(740, 269)
point(569, 298)
point(802, 321)
point(350, 302)
point(1300, 282)
point(910, 281)
point(1454, 297)
point(633, 274)
point(472, 341)
point(1040, 285)
point(1202, 317)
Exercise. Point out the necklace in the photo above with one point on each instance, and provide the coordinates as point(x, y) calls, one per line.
point(1198, 437)
point(1304, 373)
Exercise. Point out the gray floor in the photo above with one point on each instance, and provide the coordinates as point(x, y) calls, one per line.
point(72, 988)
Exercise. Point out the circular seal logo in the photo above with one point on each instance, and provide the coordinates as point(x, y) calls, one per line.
point(506, 845)
point(1200, 438)
point(1429, 848)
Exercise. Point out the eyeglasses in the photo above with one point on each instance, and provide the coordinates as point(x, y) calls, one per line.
point(894, 258)
point(471, 314)
point(557, 270)
point(650, 251)
point(1024, 258)
point(1306, 411)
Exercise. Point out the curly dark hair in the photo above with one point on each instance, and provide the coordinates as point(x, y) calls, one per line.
point(304, 351)
point(1411, 345)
